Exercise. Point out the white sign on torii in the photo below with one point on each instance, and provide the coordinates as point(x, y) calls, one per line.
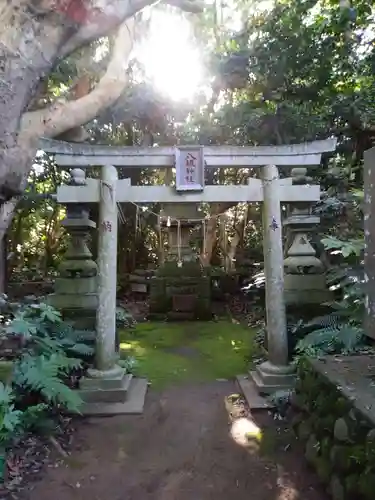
point(271, 190)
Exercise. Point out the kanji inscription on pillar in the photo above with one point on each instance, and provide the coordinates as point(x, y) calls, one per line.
point(107, 226)
point(189, 168)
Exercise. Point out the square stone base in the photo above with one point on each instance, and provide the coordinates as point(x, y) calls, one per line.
point(119, 393)
point(132, 406)
point(268, 383)
point(254, 400)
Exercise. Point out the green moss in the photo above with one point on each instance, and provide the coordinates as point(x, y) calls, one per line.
point(215, 350)
point(339, 438)
point(6, 369)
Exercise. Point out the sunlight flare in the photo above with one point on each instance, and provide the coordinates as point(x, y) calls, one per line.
point(169, 56)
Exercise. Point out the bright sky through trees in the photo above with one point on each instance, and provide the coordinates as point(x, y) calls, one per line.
point(171, 59)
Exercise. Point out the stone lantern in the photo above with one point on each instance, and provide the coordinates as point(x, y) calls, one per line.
point(76, 286)
point(304, 273)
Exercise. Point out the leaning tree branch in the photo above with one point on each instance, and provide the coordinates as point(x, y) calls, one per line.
point(63, 116)
point(112, 14)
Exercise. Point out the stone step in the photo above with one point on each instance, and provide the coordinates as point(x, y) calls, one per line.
point(260, 385)
point(254, 400)
point(180, 316)
point(132, 406)
point(107, 394)
point(272, 379)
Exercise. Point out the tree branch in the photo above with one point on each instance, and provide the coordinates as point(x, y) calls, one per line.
point(63, 116)
point(112, 14)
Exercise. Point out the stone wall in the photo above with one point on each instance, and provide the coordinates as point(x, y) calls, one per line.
point(337, 429)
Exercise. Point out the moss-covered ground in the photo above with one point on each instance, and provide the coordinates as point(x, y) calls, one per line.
point(170, 353)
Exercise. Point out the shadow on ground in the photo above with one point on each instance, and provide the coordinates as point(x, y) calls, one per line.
point(179, 449)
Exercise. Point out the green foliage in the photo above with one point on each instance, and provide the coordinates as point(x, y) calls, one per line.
point(343, 339)
point(10, 418)
point(47, 359)
point(340, 331)
point(129, 363)
point(43, 325)
point(345, 248)
point(13, 421)
point(45, 375)
point(124, 319)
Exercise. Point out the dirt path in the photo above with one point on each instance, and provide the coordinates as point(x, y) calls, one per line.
point(179, 449)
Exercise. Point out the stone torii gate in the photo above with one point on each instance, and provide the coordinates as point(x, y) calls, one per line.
point(109, 190)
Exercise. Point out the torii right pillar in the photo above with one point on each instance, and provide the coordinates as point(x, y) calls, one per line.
point(276, 373)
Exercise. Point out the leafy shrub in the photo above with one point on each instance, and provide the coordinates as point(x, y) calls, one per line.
point(124, 318)
point(50, 353)
point(130, 364)
point(14, 421)
point(339, 332)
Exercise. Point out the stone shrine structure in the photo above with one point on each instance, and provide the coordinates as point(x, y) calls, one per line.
point(181, 287)
point(106, 387)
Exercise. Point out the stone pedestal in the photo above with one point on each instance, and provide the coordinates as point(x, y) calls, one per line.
point(276, 373)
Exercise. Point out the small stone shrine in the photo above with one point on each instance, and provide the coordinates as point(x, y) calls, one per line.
point(180, 289)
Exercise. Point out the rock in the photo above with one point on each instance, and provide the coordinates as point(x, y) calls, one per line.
point(351, 483)
point(366, 485)
point(337, 489)
point(340, 457)
point(296, 421)
point(341, 430)
point(312, 450)
point(325, 447)
point(370, 447)
point(304, 431)
point(323, 469)
point(352, 415)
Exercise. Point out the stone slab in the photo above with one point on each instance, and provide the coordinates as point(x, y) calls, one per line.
point(132, 406)
point(73, 300)
point(263, 386)
point(111, 394)
point(138, 288)
point(354, 377)
point(254, 400)
point(119, 381)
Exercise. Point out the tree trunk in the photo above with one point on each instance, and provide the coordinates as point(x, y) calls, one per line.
point(238, 235)
point(29, 48)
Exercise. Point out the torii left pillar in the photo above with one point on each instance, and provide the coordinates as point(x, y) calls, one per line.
point(107, 387)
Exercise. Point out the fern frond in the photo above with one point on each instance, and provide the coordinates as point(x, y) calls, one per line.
point(40, 374)
point(331, 339)
point(77, 348)
point(332, 320)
